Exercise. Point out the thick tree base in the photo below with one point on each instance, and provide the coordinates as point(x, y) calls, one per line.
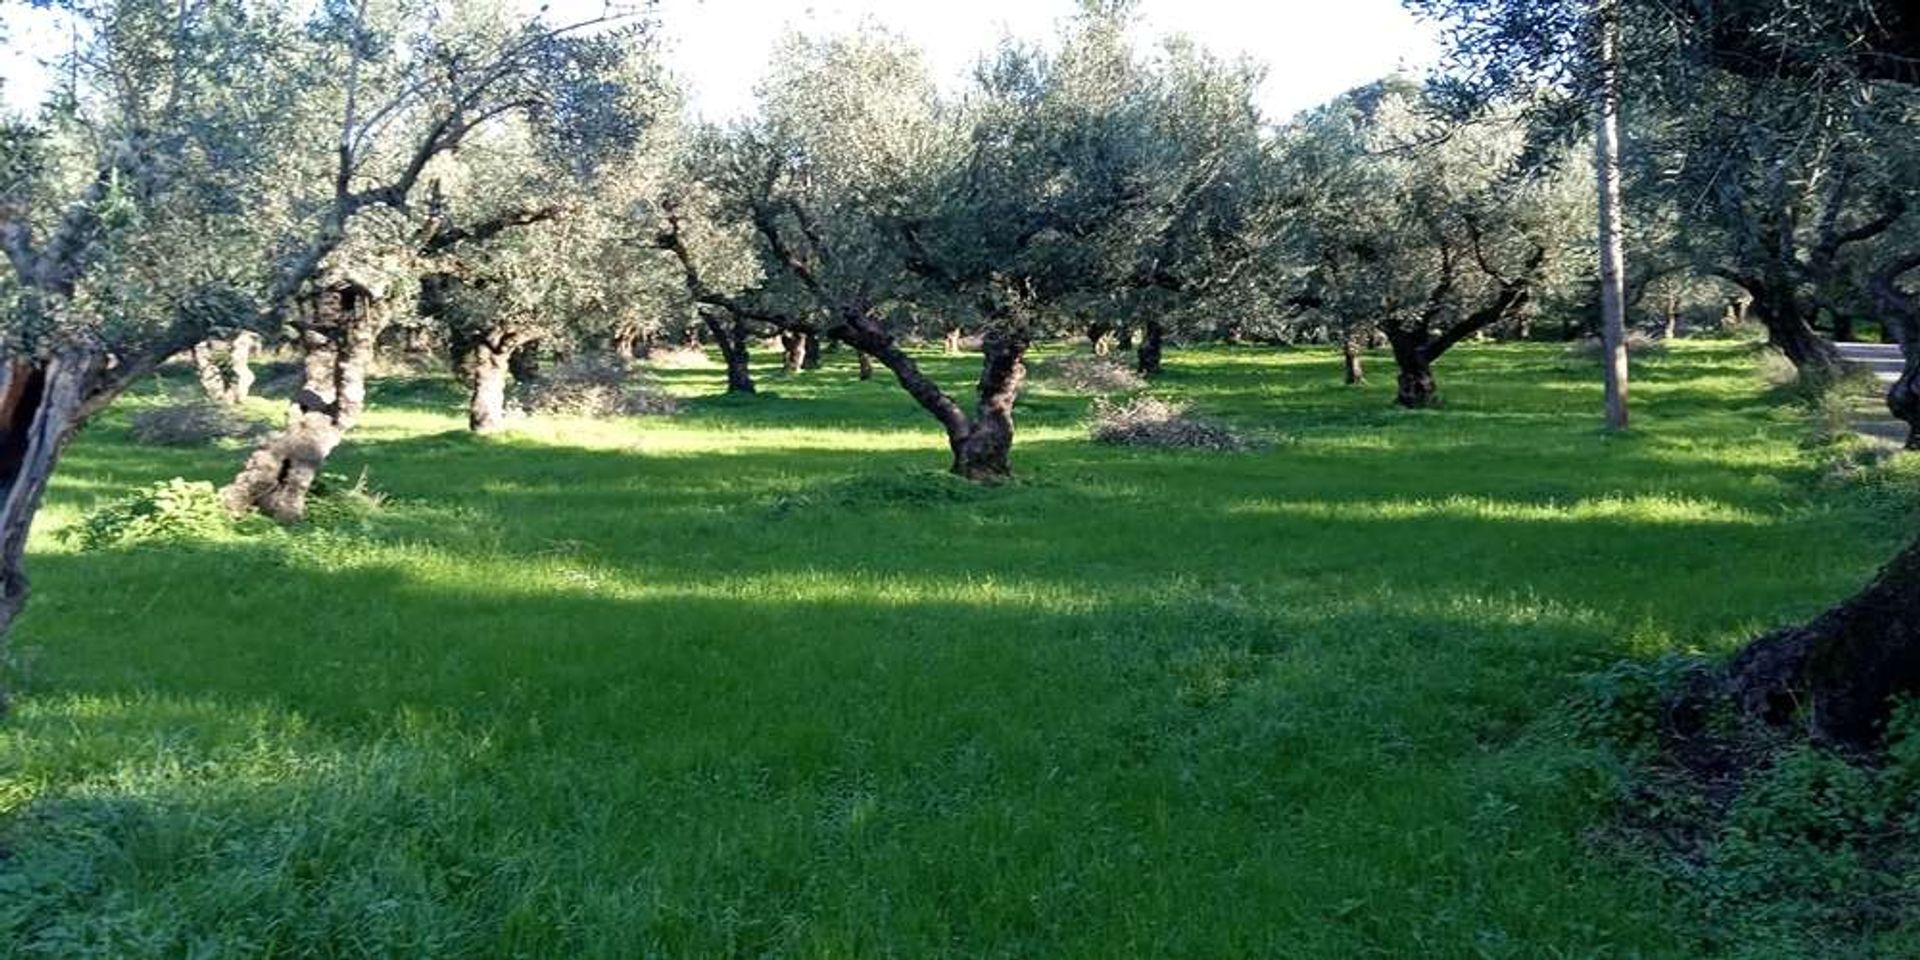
point(1417, 391)
point(1840, 672)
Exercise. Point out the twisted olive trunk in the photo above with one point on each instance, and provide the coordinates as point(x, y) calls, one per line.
point(487, 369)
point(981, 451)
point(810, 351)
point(792, 351)
point(277, 476)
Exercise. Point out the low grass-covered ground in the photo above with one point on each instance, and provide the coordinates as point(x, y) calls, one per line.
point(755, 681)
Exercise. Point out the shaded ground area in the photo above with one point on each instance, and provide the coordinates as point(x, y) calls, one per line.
point(756, 681)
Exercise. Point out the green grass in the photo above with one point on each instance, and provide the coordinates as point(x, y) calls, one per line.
point(753, 681)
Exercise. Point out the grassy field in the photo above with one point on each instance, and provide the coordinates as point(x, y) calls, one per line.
point(754, 681)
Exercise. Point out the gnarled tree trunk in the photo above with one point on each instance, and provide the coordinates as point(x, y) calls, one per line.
point(486, 370)
point(810, 351)
point(278, 474)
point(1900, 312)
point(1842, 669)
point(1350, 355)
point(1152, 345)
point(981, 451)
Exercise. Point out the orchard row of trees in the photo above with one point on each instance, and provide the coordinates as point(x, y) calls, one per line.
point(210, 173)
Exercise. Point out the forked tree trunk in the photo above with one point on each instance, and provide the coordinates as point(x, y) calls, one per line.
point(1152, 345)
point(40, 405)
point(733, 340)
point(1842, 670)
point(810, 352)
point(980, 444)
point(206, 369)
point(792, 351)
point(278, 475)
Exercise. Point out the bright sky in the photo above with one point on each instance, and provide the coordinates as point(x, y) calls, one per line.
point(1313, 49)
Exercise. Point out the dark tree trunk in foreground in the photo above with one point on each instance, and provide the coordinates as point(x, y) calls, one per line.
point(276, 477)
point(792, 351)
point(810, 351)
point(1152, 345)
point(1842, 669)
point(40, 406)
point(1410, 355)
point(733, 339)
point(1900, 312)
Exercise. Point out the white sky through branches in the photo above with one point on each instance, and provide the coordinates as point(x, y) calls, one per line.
point(1313, 49)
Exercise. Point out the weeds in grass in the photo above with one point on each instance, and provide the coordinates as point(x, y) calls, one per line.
point(169, 511)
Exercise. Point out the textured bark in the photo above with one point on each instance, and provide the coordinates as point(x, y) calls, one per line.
point(1152, 346)
point(733, 340)
point(1841, 670)
point(1900, 312)
point(982, 452)
point(1410, 354)
point(226, 378)
point(277, 476)
point(40, 405)
point(866, 367)
point(486, 370)
point(1350, 354)
point(792, 351)
point(809, 351)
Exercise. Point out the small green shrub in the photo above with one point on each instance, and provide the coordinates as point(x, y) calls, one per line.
point(171, 510)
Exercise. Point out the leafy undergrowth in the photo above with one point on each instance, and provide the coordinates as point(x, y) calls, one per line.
point(758, 680)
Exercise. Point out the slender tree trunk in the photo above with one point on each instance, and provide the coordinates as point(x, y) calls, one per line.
point(1152, 345)
point(1350, 353)
point(792, 351)
point(1842, 669)
point(206, 369)
point(240, 365)
point(981, 453)
point(866, 366)
point(810, 351)
point(1613, 314)
point(277, 476)
point(1672, 328)
point(733, 340)
point(953, 340)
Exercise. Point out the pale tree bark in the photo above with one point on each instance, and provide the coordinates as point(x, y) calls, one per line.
point(229, 378)
point(1350, 347)
point(1613, 310)
point(278, 475)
